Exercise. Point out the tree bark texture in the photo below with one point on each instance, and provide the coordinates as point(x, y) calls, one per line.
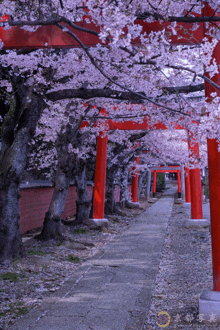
point(110, 204)
point(16, 132)
point(85, 93)
point(83, 201)
point(124, 187)
point(52, 220)
point(10, 237)
point(141, 177)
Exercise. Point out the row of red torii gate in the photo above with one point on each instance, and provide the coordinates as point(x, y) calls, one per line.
point(193, 188)
point(53, 36)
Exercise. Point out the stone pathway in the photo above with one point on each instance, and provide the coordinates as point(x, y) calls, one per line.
point(112, 290)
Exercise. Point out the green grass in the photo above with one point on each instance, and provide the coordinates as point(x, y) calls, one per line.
point(20, 310)
point(17, 309)
point(12, 277)
point(37, 252)
point(72, 258)
point(80, 231)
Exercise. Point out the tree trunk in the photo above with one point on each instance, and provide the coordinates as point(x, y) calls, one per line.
point(10, 237)
point(52, 221)
point(65, 168)
point(110, 205)
point(83, 201)
point(124, 188)
point(141, 177)
point(17, 130)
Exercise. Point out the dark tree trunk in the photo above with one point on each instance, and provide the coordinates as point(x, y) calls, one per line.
point(10, 237)
point(124, 188)
point(110, 204)
point(141, 177)
point(52, 221)
point(83, 201)
point(17, 130)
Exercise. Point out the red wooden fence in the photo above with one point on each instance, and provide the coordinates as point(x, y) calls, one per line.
point(35, 200)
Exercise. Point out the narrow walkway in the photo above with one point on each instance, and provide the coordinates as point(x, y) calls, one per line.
point(112, 290)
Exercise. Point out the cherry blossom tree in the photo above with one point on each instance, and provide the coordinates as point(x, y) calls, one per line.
point(131, 73)
point(69, 155)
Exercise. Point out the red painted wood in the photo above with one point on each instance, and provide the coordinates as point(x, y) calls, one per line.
point(184, 31)
point(33, 205)
point(187, 186)
point(135, 184)
point(48, 36)
point(139, 125)
point(165, 171)
point(195, 181)
point(132, 125)
point(179, 182)
point(51, 36)
point(154, 183)
point(214, 172)
point(100, 175)
point(214, 195)
point(196, 194)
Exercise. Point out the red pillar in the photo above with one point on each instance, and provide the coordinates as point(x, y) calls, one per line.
point(154, 184)
point(187, 185)
point(214, 170)
point(214, 195)
point(179, 184)
point(195, 180)
point(134, 188)
point(100, 175)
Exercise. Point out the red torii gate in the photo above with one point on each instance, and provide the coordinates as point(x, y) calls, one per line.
point(101, 159)
point(49, 36)
point(169, 169)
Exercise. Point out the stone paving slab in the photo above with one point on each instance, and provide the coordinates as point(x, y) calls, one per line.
point(112, 290)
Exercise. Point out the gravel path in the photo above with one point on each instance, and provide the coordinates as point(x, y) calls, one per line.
point(185, 271)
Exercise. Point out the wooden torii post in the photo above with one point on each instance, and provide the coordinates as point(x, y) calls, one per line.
point(51, 36)
point(134, 185)
point(187, 186)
